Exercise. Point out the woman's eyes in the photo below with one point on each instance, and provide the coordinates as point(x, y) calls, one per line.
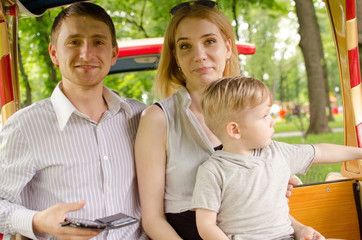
point(210, 41)
point(184, 46)
point(188, 45)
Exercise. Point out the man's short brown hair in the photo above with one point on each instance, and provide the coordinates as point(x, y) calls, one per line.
point(83, 9)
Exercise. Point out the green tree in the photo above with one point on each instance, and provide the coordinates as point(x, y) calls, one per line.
point(39, 75)
point(255, 21)
point(330, 57)
point(312, 49)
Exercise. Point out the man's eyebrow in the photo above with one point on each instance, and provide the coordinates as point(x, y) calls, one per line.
point(93, 36)
point(100, 36)
point(203, 36)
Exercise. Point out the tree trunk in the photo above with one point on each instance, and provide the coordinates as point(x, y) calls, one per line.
point(44, 52)
point(311, 45)
point(328, 101)
point(235, 16)
point(27, 101)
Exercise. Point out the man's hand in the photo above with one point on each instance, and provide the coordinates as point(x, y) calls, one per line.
point(48, 221)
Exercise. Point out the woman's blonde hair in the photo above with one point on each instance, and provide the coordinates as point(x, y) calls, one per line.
point(168, 78)
point(225, 100)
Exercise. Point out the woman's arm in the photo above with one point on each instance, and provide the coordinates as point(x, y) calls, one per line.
point(206, 225)
point(293, 181)
point(150, 157)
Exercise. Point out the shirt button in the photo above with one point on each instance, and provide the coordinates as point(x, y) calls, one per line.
point(105, 158)
point(109, 189)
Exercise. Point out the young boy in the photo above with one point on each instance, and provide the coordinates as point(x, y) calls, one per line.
point(240, 190)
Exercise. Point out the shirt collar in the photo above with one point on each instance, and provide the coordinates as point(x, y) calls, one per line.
point(184, 96)
point(64, 108)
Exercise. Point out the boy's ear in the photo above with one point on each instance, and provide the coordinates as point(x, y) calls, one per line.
point(233, 130)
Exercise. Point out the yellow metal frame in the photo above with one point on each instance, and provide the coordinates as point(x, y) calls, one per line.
point(9, 58)
point(345, 38)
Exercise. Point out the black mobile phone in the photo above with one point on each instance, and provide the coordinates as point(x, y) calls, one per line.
point(117, 220)
point(83, 223)
point(111, 222)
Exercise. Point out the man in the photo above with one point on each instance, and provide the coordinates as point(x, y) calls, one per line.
point(72, 155)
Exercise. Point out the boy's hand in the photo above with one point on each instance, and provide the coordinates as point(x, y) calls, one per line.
point(48, 221)
point(308, 233)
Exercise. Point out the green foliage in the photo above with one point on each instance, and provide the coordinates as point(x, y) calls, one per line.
point(277, 60)
point(329, 50)
point(139, 19)
point(133, 85)
point(33, 41)
point(290, 126)
point(317, 172)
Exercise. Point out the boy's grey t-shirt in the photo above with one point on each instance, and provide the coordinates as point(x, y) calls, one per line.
point(248, 192)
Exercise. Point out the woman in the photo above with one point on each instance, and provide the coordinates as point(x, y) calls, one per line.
point(173, 139)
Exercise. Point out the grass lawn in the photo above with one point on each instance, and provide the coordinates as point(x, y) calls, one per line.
point(317, 172)
point(294, 124)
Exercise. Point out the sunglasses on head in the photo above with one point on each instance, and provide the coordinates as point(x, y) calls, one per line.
point(205, 3)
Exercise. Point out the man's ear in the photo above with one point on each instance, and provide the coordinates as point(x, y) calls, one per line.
point(115, 51)
point(233, 130)
point(53, 55)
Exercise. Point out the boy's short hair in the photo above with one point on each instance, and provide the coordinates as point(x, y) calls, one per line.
point(224, 100)
point(82, 9)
